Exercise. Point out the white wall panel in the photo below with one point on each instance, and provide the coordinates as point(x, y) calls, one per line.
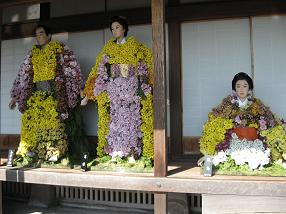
point(86, 47)
point(212, 52)
point(269, 35)
point(12, 55)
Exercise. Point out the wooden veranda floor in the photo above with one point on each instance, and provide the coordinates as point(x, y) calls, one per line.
point(182, 177)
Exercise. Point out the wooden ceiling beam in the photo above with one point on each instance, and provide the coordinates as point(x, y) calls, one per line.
point(182, 12)
point(12, 3)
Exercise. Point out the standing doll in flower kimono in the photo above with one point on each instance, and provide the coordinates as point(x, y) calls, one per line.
point(121, 83)
point(242, 129)
point(46, 88)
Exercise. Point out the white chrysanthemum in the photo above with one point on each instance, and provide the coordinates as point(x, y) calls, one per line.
point(252, 153)
point(220, 157)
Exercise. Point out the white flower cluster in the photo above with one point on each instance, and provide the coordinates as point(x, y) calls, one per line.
point(243, 151)
point(116, 153)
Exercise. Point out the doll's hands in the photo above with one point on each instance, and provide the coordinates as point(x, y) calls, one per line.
point(12, 104)
point(84, 101)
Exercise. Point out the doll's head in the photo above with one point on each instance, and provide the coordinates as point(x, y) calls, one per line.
point(43, 35)
point(119, 27)
point(242, 84)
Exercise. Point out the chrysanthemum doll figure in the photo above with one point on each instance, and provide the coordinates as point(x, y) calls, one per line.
point(121, 84)
point(46, 88)
point(242, 128)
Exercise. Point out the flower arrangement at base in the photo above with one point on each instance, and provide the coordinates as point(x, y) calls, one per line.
point(121, 84)
point(244, 152)
point(122, 164)
point(244, 140)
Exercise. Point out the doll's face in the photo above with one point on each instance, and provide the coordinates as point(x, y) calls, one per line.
point(242, 89)
point(41, 37)
point(117, 30)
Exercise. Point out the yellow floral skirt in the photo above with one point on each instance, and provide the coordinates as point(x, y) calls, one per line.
point(42, 132)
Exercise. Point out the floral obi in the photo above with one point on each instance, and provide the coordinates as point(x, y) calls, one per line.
point(248, 133)
point(43, 86)
point(120, 70)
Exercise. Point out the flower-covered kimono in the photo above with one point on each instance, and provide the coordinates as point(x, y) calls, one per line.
point(46, 88)
point(121, 83)
point(228, 134)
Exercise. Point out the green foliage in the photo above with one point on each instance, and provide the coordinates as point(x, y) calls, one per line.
point(230, 168)
point(106, 163)
point(78, 143)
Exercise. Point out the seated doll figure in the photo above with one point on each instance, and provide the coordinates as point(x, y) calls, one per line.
point(243, 129)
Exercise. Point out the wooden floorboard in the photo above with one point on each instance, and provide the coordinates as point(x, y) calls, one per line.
point(181, 179)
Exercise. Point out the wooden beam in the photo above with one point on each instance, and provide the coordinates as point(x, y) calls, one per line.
point(234, 204)
point(160, 203)
point(159, 98)
point(190, 182)
point(173, 2)
point(75, 23)
point(45, 9)
point(12, 3)
point(225, 9)
point(182, 12)
point(175, 90)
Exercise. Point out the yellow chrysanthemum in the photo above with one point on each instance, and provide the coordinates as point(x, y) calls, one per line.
point(147, 126)
point(214, 133)
point(44, 61)
point(42, 131)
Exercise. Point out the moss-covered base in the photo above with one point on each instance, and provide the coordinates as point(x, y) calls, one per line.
point(142, 165)
point(105, 163)
point(274, 169)
point(27, 162)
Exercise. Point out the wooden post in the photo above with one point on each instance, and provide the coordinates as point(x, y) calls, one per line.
point(45, 11)
point(160, 203)
point(175, 82)
point(1, 207)
point(1, 23)
point(0, 84)
point(158, 35)
point(160, 146)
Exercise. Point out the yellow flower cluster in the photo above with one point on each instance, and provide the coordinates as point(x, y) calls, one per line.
point(147, 126)
point(42, 131)
point(131, 52)
point(103, 122)
point(214, 133)
point(44, 61)
point(276, 141)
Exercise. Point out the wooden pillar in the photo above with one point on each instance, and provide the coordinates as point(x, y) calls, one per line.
point(175, 85)
point(160, 203)
point(158, 34)
point(45, 11)
point(160, 147)
point(1, 22)
point(1, 207)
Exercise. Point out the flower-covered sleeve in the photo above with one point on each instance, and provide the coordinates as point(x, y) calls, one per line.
point(72, 77)
point(23, 84)
point(145, 55)
point(90, 83)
